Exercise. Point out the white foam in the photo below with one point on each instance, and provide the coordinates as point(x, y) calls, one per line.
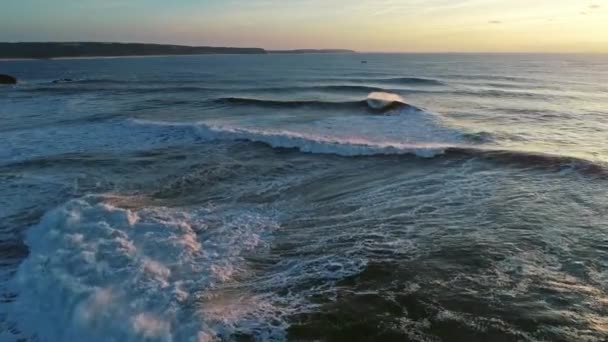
point(382, 100)
point(412, 132)
point(101, 273)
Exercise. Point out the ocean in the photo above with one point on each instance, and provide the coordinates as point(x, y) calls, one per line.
point(415, 197)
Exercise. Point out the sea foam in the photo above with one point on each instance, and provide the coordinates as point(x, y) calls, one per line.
point(405, 132)
point(97, 272)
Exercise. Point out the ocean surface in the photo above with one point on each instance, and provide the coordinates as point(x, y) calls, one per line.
point(305, 197)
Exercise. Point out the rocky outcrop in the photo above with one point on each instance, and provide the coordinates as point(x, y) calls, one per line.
point(7, 79)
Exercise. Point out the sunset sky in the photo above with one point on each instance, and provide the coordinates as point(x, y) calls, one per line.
point(378, 25)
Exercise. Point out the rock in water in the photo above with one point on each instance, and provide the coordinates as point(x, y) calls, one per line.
point(7, 79)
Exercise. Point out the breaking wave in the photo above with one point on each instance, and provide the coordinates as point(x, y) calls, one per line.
point(376, 101)
point(425, 138)
point(97, 272)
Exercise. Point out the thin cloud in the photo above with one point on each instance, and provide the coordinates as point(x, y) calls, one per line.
point(495, 22)
point(594, 6)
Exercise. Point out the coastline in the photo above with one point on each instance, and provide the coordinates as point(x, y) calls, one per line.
point(97, 50)
point(168, 55)
point(108, 57)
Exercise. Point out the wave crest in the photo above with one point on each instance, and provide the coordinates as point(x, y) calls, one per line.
point(406, 132)
point(376, 101)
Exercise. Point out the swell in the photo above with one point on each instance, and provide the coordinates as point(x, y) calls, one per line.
point(239, 101)
point(62, 123)
point(538, 160)
point(194, 85)
point(67, 81)
point(523, 94)
point(402, 80)
point(92, 81)
point(319, 105)
point(398, 80)
point(119, 88)
point(68, 89)
point(491, 77)
point(144, 135)
point(361, 147)
point(410, 80)
point(331, 88)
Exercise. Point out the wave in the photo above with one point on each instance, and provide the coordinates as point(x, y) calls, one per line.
point(122, 81)
point(392, 80)
point(410, 81)
point(91, 81)
point(405, 132)
point(77, 86)
point(373, 103)
point(493, 77)
point(330, 87)
point(496, 93)
point(531, 159)
point(321, 144)
point(68, 89)
point(368, 89)
point(415, 133)
point(407, 125)
point(98, 272)
point(435, 142)
point(239, 101)
point(386, 101)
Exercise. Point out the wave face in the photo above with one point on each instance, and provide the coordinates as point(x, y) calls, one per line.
point(399, 80)
point(376, 101)
point(93, 266)
point(426, 139)
point(406, 131)
point(411, 81)
point(274, 104)
point(408, 81)
point(383, 101)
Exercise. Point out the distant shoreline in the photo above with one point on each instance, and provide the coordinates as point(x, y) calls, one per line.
point(92, 50)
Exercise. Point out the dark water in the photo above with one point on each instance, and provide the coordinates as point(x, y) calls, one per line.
point(265, 198)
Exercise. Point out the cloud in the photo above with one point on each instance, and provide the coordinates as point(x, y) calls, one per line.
point(594, 6)
point(583, 13)
point(494, 22)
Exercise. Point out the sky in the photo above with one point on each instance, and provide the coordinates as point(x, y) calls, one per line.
point(362, 25)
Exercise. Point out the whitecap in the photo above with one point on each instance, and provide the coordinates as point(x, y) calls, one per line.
point(97, 272)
